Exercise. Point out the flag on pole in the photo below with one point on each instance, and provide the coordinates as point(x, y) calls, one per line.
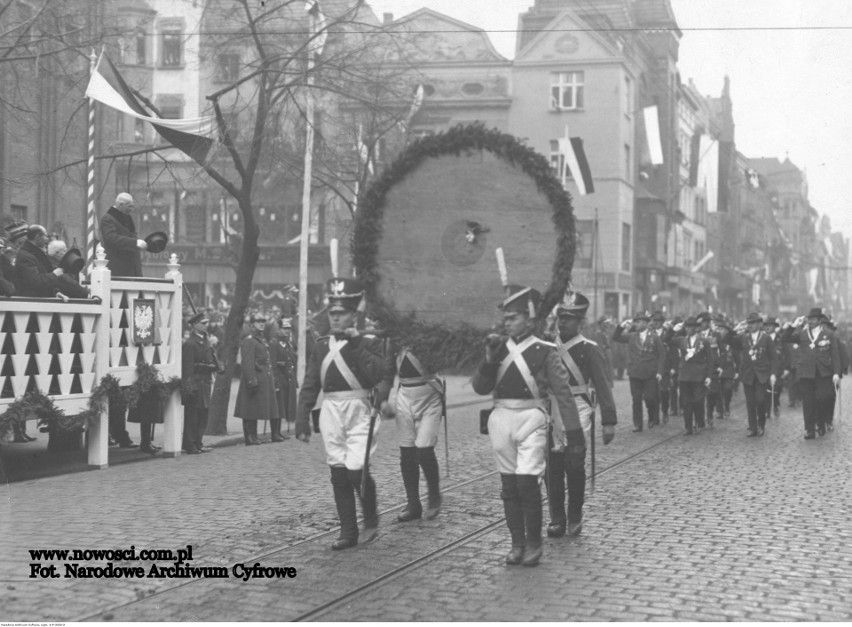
point(415, 104)
point(652, 134)
point(571, 149)
point(364, 151)
point(193, 136)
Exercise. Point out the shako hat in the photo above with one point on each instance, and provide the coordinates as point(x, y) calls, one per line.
point(72, 261)
point(157, 242)
point(573, 304)
point(816, 312)
point(521, 299)
point(754, 317)
point(17, 230)
point(198, 317)
point(344, 294)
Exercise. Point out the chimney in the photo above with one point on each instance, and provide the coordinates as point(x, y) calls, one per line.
point(387, 18)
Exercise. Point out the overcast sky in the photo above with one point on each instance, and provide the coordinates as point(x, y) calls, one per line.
point(790, 63)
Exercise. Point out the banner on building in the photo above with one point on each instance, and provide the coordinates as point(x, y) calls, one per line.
point(571, 149)
point(652, 134)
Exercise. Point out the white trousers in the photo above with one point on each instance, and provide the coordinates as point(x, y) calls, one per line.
point(344, 425)
point(585, 412)
point(519, 438)
point(418, 415)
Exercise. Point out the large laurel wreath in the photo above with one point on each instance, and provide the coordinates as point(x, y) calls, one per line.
point(461, 347)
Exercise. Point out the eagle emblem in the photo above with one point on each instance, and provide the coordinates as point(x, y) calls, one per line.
point(337, 288)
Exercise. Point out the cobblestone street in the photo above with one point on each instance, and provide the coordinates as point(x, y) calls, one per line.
point(714, 527)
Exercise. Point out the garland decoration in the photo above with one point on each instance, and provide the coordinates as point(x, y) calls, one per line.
point(34, 403)
point(440, 347)
point(150, 383)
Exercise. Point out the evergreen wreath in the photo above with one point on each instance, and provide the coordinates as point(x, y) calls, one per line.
point(34, 403)
point(460, 347)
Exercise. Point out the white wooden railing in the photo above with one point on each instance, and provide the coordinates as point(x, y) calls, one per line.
point(64, 349)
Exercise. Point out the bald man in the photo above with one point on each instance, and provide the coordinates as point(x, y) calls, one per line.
point(119, 239)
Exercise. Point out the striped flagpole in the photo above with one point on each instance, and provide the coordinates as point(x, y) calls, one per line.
point(90, 196)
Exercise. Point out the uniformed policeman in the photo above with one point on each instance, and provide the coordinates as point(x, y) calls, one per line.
point(587, 376)
point(199, 363)
point(819, 368)
point(758, 366)
point(345, 366)
point(417, 403)
point(520, 371)
point(695, 363)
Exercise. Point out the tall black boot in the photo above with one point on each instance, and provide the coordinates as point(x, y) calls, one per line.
point(429, 463)
point(530, 492)
point(411, 481)
point(344, 499)
point(575, 471)
point(275, 428)
point(514, 518)
point(368, 504)
point(556, 493)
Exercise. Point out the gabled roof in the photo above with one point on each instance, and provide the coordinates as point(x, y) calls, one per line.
point(655, 14)
point(454, 37)
point(768, 166)
point(554, 24)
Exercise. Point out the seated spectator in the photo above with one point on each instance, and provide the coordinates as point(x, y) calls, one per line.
point(34, 274)
point(7, 287)
point(69, 284)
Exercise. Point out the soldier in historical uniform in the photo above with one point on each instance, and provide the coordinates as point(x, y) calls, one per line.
point(418, 404)
point(758, 369)
point(727, 367)
point(587, 376)
point(283, 357)
point(819, 368)
point(771, 326)
point(844, 368)
point(199, 364)
point(647, 362)
point(256, 395)
point(695, 363)
point(520, 371)
point(345, 367)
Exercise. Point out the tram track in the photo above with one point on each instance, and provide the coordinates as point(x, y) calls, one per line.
point(394, 572)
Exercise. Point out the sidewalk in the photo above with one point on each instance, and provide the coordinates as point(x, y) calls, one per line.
point(21, 462)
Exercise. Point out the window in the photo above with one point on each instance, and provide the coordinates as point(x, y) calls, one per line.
point(472, 89)
point(196, 223)
point(170, 106)
point(566, 91)
point(625, 247)
point(627, 164)
point(228, 68)
point(141, 48)
point(139, 132)
point(172, 48)
point(585, 237)
point(19, 212)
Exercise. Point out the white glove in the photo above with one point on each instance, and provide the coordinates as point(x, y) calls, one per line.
point(799, 321)
point(707, 382)
point(772, 379)
point(678, 327)
point(142, 244)
point(626, 324)
point(836, 379)
point(59, 272)
point(351, 332)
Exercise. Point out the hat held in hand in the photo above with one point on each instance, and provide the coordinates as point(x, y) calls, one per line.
point(72, 261)
point(157, 242)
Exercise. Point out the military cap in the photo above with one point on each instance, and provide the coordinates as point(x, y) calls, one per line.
point(344, 294)
point(521, 299)
point(285, 323)
point(573, 304)
point(198, 317)
point(691, 322)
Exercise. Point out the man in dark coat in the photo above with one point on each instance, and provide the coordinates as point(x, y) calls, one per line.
point(647, 359)
point(819, 368)
point(256, 395)
point(198, 364)
point(695, 364)
point(283, 357)
point(759, 365)
point(7, 286)
point(119, 238)
point(34, 273)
